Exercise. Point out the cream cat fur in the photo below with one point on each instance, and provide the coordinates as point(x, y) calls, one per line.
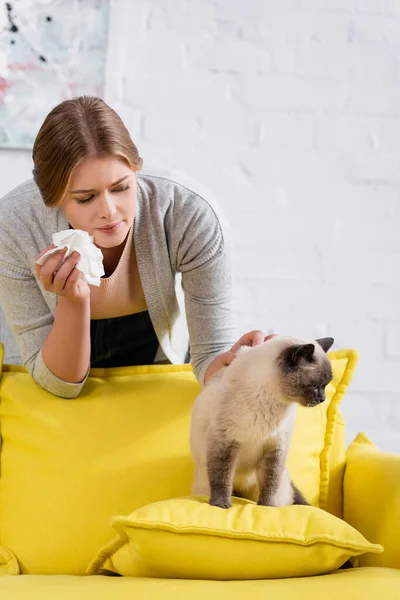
point(242, 421)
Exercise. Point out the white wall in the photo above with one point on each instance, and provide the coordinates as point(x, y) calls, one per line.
point(289, 111)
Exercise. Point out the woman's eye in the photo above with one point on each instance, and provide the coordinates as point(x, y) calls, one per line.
point(83, 200)
point(89, 198)
point(121, 189)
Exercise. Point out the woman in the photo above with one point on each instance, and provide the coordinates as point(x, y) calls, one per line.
point(148, 228)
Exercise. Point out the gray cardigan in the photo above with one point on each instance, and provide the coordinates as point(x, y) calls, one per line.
point(180, 245)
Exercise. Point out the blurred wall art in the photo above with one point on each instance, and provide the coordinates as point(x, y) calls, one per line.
point(50, 50)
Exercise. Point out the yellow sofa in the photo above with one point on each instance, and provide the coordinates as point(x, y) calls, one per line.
point(70, 467)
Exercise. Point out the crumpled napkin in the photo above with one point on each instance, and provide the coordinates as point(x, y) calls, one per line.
point(91, 260)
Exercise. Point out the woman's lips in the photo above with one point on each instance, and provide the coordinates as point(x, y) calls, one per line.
point(112, 228)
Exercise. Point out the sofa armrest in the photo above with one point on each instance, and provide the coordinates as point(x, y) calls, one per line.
point(371, 496)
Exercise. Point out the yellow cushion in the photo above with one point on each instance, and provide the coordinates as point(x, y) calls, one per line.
point(68, 466)
point(372, 498)
point(8, 563)
point(317, 447)
point(187, 538)
point(333, 499)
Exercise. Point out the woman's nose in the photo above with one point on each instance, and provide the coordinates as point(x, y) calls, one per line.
point(108, 208)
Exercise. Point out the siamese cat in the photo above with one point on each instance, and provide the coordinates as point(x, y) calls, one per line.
point(242, 421)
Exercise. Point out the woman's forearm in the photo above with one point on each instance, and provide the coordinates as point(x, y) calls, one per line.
point(66, 350)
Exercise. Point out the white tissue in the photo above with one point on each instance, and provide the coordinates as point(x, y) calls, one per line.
point(91, 259)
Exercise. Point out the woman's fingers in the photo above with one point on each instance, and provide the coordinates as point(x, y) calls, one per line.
point(62, 274)
point(256, 338)
point(227, 357)
point(252, 338)
point(51, 264)
point(38, 267)
point(270, 337)
point(72, 278)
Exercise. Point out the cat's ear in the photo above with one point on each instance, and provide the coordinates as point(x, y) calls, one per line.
point(325, 343)
point(295, 353)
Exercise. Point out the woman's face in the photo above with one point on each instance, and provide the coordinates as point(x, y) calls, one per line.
point(101, 199)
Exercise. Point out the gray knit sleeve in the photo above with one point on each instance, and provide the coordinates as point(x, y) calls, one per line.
point(203, 258)
point(30, 321)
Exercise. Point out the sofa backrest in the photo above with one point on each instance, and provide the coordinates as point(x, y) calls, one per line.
point(68, 466)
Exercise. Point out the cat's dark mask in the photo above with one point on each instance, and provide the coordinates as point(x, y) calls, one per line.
point(294, 354)
point(303, 384)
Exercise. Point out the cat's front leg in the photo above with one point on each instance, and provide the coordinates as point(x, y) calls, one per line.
point(269, 473)
point(221, 459)
point(200, 485)
point(298, 497)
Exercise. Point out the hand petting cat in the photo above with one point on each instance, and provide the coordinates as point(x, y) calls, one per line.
point(252, 338)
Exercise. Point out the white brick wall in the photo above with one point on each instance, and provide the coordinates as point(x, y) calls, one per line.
point(289, 112)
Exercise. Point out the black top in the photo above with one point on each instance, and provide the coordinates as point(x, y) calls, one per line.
point(123, 341)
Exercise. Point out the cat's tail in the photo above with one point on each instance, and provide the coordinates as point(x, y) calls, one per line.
point(298, 497)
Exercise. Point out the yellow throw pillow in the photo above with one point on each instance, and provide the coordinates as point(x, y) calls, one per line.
point(317, 453)
point(372, 498)
point(68, 466)
point(8, 563)
point(188, 539)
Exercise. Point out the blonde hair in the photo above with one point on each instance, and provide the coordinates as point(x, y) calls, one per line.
point(76, 129)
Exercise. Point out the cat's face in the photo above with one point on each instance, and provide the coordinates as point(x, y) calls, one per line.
point(305, 371)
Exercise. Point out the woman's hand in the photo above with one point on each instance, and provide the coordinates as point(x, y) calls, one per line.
point(252, 338)
point(63, 278)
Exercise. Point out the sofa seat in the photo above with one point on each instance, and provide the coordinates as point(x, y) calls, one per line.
point(359, 584)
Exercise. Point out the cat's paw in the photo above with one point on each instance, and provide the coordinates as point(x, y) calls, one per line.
point(220, 502)
point(267, 502)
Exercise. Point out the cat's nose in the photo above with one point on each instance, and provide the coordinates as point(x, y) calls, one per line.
point(321, 396)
